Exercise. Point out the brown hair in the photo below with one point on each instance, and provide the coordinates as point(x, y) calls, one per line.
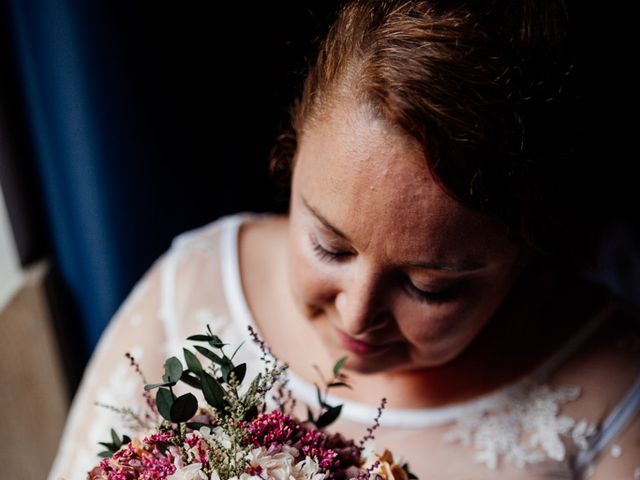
point(484, 87)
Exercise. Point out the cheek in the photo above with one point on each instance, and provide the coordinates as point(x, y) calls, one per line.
point(313, 287)
point(447, 329)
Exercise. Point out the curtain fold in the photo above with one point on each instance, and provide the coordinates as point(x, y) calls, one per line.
point(150, 118)
point(75, 160)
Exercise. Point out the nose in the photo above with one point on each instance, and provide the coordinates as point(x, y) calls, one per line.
point(361, 304)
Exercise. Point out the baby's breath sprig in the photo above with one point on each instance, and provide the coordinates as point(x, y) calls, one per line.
point(133, 420)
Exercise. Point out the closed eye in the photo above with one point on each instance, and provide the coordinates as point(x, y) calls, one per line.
point(428, 296)
point(325, 254)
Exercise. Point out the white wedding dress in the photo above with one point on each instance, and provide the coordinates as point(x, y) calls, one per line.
point(197, 282)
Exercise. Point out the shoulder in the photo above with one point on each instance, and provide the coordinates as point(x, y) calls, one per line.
point(262, 253)
point(607, 370)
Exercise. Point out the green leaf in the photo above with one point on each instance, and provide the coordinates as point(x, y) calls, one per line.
point(193, 363)
point(310, 415)
point(172, 370)
point(226, 367)
point(411, 475)
point(191, 380)
point(240, 371)
point(320, 400)
point(151, 386)
point(114, 437)
point(251, 413)
point(213, 391)
point(215, 342)
point(164, 401)
point(197, 425)
point(339, 384)
point(199, 338)
point(329, 416)
point(338, 366)
point(184, 408)
point(236, 350)
point(105, 454)
point(209, 354)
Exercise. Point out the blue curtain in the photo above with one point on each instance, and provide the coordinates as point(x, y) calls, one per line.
point(148, 119)
point(76, 130)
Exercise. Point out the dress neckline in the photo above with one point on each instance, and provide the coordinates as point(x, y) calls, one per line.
point(365, 413)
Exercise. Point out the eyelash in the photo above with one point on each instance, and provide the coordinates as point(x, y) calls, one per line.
point(422, 295)
point(324, 254)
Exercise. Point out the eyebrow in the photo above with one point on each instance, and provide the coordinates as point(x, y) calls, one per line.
point(457, 267)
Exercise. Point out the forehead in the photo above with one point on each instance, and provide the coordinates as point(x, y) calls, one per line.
point(372, 181)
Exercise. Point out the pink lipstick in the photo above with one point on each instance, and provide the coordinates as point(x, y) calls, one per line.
point(356, 346)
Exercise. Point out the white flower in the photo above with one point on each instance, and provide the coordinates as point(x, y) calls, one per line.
point(218, 435)
point(243, 476)
point(308, 469)
point(190, 472)
point(275, 463)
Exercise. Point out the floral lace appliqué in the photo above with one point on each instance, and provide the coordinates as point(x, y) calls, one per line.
point(527, 429)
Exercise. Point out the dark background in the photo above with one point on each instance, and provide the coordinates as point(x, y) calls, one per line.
point(123, 124)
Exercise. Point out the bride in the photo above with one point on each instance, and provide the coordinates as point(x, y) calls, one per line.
point(427, 241)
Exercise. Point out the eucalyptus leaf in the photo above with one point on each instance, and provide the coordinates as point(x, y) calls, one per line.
point(164, 401)
point(191, 380)
point(172, 370)
point(320, 399)
point(197, 425)
point(329, 416)
point(184, 408)
point(215, 342)
point(192, 361)
point(240, 371)
point(151, 386)
point(226, 367)
point(199, 338)
point(213, 391)
point(339, 384)
point(209, 354)
point(338, 366)
point(114, 437)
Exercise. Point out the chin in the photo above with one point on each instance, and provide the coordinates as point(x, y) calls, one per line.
point(366, 366)
point(384, 361)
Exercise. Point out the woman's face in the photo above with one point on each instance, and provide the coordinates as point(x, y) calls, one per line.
point(389, 269)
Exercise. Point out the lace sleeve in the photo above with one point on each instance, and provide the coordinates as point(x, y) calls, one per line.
point(137, 328)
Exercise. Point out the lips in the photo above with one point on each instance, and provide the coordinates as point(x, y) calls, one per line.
point(358, 346)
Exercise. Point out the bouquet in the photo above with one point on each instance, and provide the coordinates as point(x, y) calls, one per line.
point(233, 434)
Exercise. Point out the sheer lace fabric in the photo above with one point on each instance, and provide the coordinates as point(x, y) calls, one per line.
point(197, 283)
